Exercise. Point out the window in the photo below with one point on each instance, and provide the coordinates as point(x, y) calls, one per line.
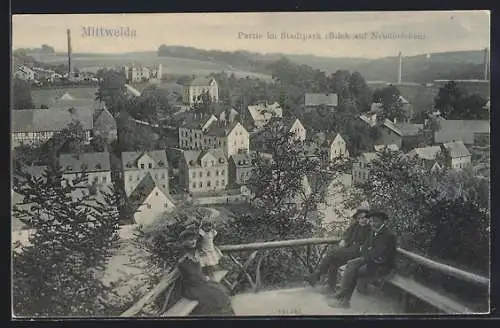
point(163, 175)
point(222, 172)
point(223, 182)
point(150, 165)
point(194, 175)
point(137, 178)
point(104, 179)
point(212, 163)
point(208, 173)
point(130, 178)
point(96, 179)
point(148, 206)
point(194, 185)
point(166, 205)
point(142, 166)
point(217, 183)
point(156, 193)
point(216, 172)
point(201, 174)
point(201, 184)
point(208, 183)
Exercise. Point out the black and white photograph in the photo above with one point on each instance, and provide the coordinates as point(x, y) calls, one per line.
point(250, 164)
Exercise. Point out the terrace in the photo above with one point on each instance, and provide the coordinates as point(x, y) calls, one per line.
point(400, 293)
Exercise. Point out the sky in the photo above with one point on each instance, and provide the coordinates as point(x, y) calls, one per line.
point(430, 32)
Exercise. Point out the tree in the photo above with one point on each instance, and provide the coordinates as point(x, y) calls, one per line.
point(132, 137)
point(112, 90)
point(360, 91)
point(392, 105)
point(55, 274)
point(43, 106)
point(340, 82)
point(455, 103)
point(46, 49)
point(71, 139)
point(21, 98)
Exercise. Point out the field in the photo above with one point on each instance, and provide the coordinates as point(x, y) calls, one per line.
point(170, 65)
point(47, 95)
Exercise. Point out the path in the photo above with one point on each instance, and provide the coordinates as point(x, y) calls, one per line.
point(309, 301)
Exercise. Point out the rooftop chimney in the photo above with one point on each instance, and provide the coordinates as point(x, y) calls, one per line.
point(400, 65)
point(486, 63)
point(70, 69)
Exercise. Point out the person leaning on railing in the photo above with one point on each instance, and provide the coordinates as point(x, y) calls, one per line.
point(349, 248)
point(377, 256)
point(212, 296)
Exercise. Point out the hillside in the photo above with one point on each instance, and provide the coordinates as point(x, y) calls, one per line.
point(178, 60)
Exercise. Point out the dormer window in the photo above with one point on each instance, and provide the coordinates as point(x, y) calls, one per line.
point(221, 160)
point(161, 163)
point(129, 165)
point(98, 166)
point(84, 166)
point(69, 168)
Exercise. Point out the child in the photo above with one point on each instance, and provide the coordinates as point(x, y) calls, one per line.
point(209, 254)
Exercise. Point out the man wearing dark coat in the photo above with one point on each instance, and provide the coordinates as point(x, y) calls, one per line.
point(349, 248)
point(377, 255)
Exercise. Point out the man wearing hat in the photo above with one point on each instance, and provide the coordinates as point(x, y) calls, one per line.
point(378, 253)
point(349, 248)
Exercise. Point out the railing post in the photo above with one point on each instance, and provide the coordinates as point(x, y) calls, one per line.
point(308, 259)
point(258, 282)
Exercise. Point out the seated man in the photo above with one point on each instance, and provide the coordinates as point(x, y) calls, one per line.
point(349, 248)
point(378, 253)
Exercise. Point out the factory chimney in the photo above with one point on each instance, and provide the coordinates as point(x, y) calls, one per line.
point(70, 68)
point(486, 63)
point(400, 66)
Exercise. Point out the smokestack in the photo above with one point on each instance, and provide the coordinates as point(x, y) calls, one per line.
point(70, 69)
point(400, 66)
point(486, 63)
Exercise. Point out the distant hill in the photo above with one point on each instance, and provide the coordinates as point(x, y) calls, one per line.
point(187, 60)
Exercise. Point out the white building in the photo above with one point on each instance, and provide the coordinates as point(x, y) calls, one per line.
point(335, 147)
point(204, 171)
point(95, 165)
point(261, 114)
point(457, 155)
point(360, 168)
point(150, 201)
point(137, 165)
point(294, 126)
point(34, 126)
point(193, 89)
point(199, 132)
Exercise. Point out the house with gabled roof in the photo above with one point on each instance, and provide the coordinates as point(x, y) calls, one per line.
point(240, 169)
point(261, 114)
point(105, 125)
point(466, 131)
point(457, 156)
point(313, 101)
point(202, 171)
point(95, 165)
point(428, 157)
point(149, 201)
point(35, 126)
point(360, 168)
point(334, 146)
point(136, 165)
point(201, 131)
point(191, 90)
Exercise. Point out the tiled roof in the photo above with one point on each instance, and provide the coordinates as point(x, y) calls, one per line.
point(220, 129)
point(404, 129)
point(90, 162)
point(329, 138)
point(104, 118)
point(193, 157)
point(428, 153)
point(454, 130)
point(242, 159)
point(456, 149)
point(143, 190)
point(130, 158)
point(317, 99)
point(263, 112)
point(199, 81)
point(40, 120)
point(194, 120)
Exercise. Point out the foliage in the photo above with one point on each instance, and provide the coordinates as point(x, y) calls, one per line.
point(134, 137)
point(73, 234)
point(21, 97)
point(112, 90)
point(151, 104)
point(455, 103)
point(417, 199)
point(392, 105)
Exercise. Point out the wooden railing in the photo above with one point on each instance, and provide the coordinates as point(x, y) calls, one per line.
point(164, 290)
